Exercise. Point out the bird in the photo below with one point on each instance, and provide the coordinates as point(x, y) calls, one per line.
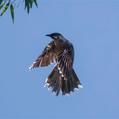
point(63, 78)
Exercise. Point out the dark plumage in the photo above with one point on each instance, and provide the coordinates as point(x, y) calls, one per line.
point(61, 52)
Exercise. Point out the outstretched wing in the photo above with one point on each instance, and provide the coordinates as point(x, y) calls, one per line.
point(65, 60)
point(47, 57)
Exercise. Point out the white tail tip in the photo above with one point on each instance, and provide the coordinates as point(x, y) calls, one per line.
point(80, 86)
point(30, 67)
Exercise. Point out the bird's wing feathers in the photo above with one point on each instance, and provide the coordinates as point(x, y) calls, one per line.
point(65, 61)
point(47, 57)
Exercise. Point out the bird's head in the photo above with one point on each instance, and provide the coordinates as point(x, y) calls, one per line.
point(55, 36)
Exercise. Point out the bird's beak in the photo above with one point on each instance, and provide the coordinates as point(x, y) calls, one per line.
point(48, 35)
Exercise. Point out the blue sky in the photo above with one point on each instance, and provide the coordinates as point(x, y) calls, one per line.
point(93, 28)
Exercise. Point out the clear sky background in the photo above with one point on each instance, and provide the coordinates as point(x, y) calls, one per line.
point(93, 28)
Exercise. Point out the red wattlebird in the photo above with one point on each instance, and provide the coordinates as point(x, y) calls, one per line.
point(61, 52)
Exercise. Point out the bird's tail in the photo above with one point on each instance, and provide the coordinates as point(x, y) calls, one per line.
point(64, 84)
